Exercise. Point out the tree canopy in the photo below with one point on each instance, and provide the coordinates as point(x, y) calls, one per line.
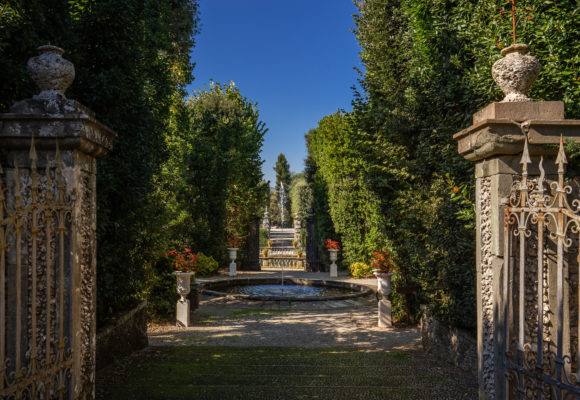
point(283, 178)
point(384, 175)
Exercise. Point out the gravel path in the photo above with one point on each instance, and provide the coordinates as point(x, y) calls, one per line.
point(231, 322)
point(240, 349)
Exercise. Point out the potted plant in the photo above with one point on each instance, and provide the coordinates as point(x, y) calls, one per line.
point(333, 248)
point(185, 264)
point(265, 252)
point(269, 243)
point(383, 268)
point(295, 243)
point(299, 253)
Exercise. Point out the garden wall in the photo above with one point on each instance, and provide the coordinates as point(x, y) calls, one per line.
point(122, 337)
point(450, 344)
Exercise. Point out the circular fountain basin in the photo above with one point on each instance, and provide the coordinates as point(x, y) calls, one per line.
point(293, 289)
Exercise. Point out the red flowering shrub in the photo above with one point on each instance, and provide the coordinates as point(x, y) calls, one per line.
point(184, 261)
point(383, 262)
point(332, 245)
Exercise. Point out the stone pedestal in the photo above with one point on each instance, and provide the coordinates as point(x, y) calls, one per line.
point(495, 142)
point(385, 313)
point(49, 146)
point(182, 313)
point(333, 270)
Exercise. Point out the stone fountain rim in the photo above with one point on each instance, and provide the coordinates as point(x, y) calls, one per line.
point(359, 290)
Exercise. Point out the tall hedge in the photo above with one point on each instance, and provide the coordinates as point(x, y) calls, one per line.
point(212, 183)
point(131, 59)
point(427, 70)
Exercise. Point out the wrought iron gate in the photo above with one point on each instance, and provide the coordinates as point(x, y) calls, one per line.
point(540, 287)
point(35, 296)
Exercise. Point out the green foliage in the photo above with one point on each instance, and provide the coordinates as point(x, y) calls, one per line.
point(160, 289)
point(387, 175)
point(360, 270)
point(461, 195)
point(212, 182)
point(282, 169)
point(300, 197)
point(341, 165)
point(206, 265)
point(283, 177)
point(263, 237)
point(324, 226)
point(131, 59)
point(273, 208)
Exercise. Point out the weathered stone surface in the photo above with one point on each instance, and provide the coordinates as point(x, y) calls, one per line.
point(51, 73)
point(182, 313)
point(70, 123)
point(126, 335)
point(515, 73)
point(384, 312)
point(522, 111)
point(493, 137)
point(67, 139)
point(453, 345)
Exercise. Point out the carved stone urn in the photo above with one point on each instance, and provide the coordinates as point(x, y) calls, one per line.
point(383, 282)
point(333, 253)
point(183, 284)
point(233, 253)
point(384, 305)
point(51, 73)
point(515, 73)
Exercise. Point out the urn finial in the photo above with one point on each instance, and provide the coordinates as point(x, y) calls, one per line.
point(51, 73)
point(516, 72)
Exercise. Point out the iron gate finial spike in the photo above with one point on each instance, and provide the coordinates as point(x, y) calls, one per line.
point(561, 159)
point(32, 155)
point(542, 174)
point(525, 154)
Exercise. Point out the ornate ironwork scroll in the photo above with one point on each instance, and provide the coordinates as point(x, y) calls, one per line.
point(35, 288)
point(540, 286)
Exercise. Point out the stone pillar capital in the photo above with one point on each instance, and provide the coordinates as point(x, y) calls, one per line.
point(498, 130)
point(66, 121)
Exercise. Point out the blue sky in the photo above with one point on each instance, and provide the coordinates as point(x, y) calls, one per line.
point(295, 58)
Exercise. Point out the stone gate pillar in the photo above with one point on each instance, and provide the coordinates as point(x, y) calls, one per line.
point(495, 142)
point(50, 145)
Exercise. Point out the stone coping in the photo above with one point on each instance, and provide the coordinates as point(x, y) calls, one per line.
point(108, 328)
point(360, 291)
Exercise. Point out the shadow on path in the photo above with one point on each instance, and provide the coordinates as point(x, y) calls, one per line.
point(258, 350)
